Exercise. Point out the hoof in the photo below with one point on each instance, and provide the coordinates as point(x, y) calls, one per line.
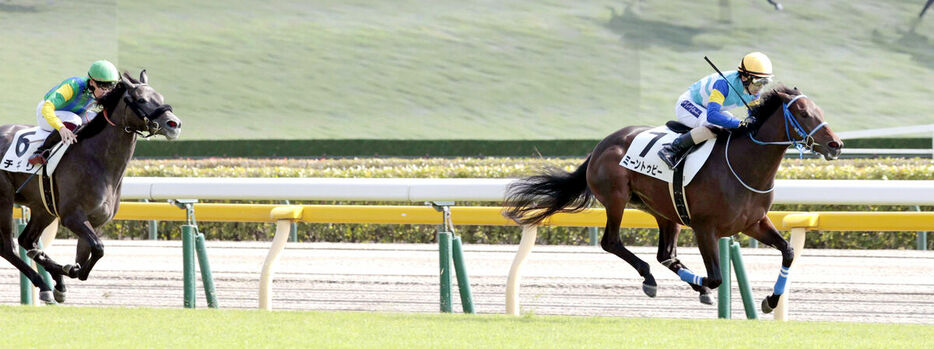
point(706, 298)
point(71, 270)
point(766, 308)
point(46, 296)
point(59, 296)
point(650, 290)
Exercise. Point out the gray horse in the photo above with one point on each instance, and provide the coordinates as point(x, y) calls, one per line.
point(87, 181)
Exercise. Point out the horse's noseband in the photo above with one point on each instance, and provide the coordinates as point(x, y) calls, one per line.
point(146, 111)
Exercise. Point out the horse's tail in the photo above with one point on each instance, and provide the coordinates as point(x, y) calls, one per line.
point(531, 200)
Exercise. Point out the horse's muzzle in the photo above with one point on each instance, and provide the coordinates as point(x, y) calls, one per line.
point(170, 126)
point(832, 150)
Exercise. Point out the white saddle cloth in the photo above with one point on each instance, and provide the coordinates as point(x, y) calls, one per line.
point(25, 143)
point(642, 155)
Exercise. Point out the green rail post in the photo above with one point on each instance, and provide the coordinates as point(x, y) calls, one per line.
point(743, 282)
point(206, 278)
point(293, 230)
point(444, 256)
point(723, 292)
point(593, 236)
point(153, 227)
point(188, 261)
point(25, 286)
point(463, 284)
point(922, 237)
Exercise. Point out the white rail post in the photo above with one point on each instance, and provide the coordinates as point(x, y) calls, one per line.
point(284, 217)
point(799, 224)
point(512, 284)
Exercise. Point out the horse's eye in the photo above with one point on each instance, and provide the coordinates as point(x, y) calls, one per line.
point(141, 101)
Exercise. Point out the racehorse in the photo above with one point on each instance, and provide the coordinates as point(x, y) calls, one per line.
point(87, 181)
point(731, 193)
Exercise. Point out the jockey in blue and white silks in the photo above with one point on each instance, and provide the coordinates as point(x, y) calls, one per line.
point(705, 103)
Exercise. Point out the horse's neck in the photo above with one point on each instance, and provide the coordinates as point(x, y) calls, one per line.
point(758, 164)
point(113, 147)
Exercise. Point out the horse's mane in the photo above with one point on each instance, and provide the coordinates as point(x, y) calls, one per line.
point(109, 103)
point(771, 101)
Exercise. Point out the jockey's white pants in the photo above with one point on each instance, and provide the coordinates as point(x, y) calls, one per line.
point(692, 114)
point(45, 129)
point(695, 116)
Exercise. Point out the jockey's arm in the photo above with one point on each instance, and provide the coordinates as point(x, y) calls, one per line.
point(56, 100)
point(715, 103)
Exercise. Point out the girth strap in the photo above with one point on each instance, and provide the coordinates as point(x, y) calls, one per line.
point(678, 195)
point(47, 193)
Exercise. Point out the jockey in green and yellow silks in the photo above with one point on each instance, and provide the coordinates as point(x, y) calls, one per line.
point(70, 104)
point(705, 103)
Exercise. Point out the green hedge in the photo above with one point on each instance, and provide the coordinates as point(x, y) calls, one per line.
point(914, 169)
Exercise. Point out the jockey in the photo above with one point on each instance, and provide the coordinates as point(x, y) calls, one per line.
point(705, 103)
point(70, 104)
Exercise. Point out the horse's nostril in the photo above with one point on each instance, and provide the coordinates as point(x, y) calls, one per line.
point(835, 145)
point(172, 124)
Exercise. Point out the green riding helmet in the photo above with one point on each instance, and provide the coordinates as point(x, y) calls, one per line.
point(103, 71)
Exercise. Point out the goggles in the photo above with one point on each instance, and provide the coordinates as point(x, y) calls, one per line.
point(759, 81)
point(103, 85)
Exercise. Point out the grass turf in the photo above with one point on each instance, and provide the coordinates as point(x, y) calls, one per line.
point(62, 327)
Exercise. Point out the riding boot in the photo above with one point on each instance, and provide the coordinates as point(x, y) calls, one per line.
point(673, 152)
point(41, 156)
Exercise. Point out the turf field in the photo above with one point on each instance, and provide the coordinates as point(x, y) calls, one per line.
point(60, 327)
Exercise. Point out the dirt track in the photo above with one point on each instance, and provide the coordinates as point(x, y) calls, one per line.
point(826, 285)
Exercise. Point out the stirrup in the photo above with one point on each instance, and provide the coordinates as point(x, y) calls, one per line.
point(672, 161)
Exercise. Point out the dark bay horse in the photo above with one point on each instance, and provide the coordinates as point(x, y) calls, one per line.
point(730, 194)
point(87, 181)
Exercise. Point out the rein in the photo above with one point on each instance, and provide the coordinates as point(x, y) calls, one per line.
point(806, 142)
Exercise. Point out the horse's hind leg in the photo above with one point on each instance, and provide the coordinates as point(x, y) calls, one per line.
point(766, 233)
point(611, 243)
point(7, 251)
point(668, 256)
point(29, 240)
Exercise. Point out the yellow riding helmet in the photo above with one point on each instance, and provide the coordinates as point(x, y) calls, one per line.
point(756, 64)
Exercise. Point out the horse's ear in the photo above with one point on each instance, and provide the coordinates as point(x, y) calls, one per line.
point(127, 80)
point(143, 78)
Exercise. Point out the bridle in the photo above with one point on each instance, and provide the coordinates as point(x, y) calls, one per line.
point(143, 109)
point(806, 141)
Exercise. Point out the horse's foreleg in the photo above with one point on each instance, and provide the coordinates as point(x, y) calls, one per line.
point(90, 247)
point(668, 256)
point(765, 232)
point(707, 244)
